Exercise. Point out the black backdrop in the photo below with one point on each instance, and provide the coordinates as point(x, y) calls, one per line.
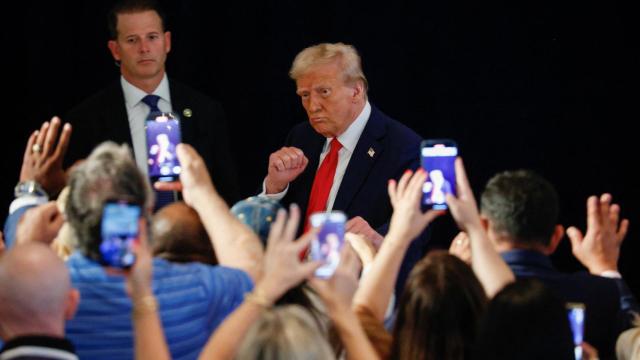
point(547, 85)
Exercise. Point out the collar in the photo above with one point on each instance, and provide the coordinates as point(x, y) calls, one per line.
point(133, 95)
point(33, 344)
point(349, 138)
point(526, 257)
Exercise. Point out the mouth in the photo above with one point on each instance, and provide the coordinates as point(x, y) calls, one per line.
point(146, 61)
point(317, 119)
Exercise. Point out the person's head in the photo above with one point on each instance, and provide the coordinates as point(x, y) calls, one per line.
point(138, 41)
point(179, 235)
point(436, 177)
point(109, 173)
point(331, 85)
point(520, 209)
point(35, 292)
point(439, 310)
point(525, 320)
point(163, 140)
point(285, 332)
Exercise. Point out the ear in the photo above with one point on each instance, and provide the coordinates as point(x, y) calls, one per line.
point(556, 237)
point(115, 49)
point(358, 92)
point(73, 300)
point(167, 41)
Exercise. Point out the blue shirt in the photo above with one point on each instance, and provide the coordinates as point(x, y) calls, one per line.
point(194, 299)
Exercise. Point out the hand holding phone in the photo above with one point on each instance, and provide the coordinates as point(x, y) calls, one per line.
point(327, 244)
point(438, 159)
point(119, 230)
point(163, 134)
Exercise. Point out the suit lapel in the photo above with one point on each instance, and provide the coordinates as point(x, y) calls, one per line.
point(115, 125)
point(182, 108)
point(367, 152)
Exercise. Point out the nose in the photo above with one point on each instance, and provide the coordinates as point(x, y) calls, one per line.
point(144, 46)
point(314, 103)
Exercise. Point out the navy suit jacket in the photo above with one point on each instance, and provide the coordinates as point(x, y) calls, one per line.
point(103, 117)
point(363, 191)
point(608, 302)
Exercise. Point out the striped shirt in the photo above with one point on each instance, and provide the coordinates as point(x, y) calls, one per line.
point(194, 299)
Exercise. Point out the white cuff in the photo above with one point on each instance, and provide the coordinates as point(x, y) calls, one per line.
point(613, 274)
point(26, 200)
point(279, 196)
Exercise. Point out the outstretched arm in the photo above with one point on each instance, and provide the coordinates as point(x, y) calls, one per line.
point(282, 271)
point(234, 243)
point(407, 221)
point(487, 264)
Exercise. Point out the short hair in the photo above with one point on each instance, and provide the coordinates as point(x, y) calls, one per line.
point(109, 173)
point(522, 205)
point(525, 320)
point(326, 53)
point(285, 332)
point(439, 310)
point(132, 7)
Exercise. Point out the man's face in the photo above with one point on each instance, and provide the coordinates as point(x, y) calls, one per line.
point(141, 46)
point(331, 104)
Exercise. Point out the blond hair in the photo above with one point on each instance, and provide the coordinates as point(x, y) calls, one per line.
point(327, 53)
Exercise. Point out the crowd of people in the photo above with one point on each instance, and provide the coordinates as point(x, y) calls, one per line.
point(205, 285)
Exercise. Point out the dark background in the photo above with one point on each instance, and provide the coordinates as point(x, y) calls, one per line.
point(546, 85)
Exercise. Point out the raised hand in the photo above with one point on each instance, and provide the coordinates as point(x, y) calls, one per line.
point(599, 248)
point(463, 207)
point(284, 166)
point(408, 220)
point(40, 224)
point(359, 226)
point(42, 160)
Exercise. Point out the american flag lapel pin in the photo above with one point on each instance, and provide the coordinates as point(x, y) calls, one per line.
point(371, 152)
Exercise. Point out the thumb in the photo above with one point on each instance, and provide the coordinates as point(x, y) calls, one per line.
point(575, 236)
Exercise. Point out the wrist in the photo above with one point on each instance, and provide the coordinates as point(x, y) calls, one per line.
point(144, 305)
point(271, 187)
point(29, 187)
point(260, 297)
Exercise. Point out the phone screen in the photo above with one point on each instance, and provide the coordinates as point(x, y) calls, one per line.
point(119, 231)
point(576, 321)
point(163, 135)
point(438, 159)
point(326, 246)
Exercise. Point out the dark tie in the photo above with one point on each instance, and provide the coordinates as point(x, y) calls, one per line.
point(323, 182)
point(152, 102)
point(162, 197)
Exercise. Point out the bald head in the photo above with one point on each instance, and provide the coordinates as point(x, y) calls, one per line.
point(179, 236)
point(35, 292)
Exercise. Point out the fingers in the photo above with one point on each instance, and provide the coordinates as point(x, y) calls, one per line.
point(42, 133)
point(30, 143)
point(63, 143)
point(293, 222)
point(275, 233)
point(464, 189)
point(303, 241)
point(575, 237)
point(622, 231)
point(186, 154)
point(414, 188)
point(168, 186)
point(592, 213)
point(287, 158)
point(50, 136)
point(431, 215)
point(392, 186)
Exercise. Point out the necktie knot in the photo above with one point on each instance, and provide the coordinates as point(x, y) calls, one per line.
point(152, 102)
point(335, 145)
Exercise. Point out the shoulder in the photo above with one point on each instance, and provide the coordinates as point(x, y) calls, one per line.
point(217, 279)
point(184, 94)
point(394, 128)
point(108, 96)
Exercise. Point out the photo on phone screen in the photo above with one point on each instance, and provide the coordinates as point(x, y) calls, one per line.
point(119, 231)
point(438, 159)
point(576, 311)
point(163, 135)
point(326, 246)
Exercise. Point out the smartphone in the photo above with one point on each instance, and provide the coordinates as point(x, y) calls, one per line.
point(163, 134)
point(326, 246)
point(437, 157)
point(576, 321)
point(119, 230)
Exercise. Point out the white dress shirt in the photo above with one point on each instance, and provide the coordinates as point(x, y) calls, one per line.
point(349, 140)
point(137, 112)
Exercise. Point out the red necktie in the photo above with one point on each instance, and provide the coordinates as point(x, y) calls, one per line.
point(323, 182)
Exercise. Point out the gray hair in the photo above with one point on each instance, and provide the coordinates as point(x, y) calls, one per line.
point(288, 333)
point(109, 173)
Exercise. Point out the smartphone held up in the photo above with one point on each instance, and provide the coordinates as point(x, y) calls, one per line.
point(327, 244)
point(437, 157)
point(163, 134)
point(119, 231)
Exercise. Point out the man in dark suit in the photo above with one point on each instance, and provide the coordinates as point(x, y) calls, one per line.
point(140, 44)
point(344, 156)
point(520, 212)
